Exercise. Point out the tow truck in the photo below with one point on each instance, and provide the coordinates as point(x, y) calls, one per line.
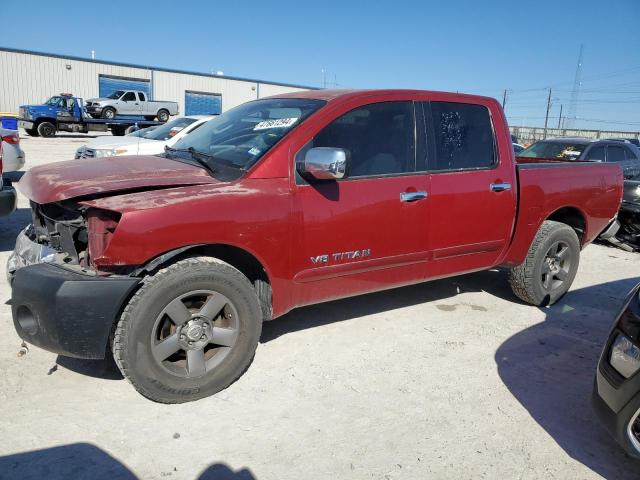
point(67, 113)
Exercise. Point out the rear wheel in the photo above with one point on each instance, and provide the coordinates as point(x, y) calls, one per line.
point(550, 267)
point(190, 331)
point(109, 113)
point(46, 129)
point(163, 115)
point(118, 131)
point(33, 132)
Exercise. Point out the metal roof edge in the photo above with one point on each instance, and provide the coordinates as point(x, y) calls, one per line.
point(150, 67)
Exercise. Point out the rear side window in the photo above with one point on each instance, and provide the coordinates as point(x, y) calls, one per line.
point(630, 154)
point(615, 154)
point(596, 153)
point(380, 138)
point(141, 96)
point(463, 136)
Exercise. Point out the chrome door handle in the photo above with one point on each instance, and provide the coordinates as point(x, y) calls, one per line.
point(500, 187)
point(412, 196)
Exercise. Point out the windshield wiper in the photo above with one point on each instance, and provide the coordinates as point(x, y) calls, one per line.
point(197, 156)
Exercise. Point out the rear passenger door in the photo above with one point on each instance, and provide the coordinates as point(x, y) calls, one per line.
point(473, 188)
point(143, 107)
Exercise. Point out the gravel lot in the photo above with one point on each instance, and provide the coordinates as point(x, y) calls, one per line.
point(449, 379)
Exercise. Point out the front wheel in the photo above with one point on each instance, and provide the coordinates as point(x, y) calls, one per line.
point(46, 129)
point(550, 267)
point(32, 132)
point(109, 113)
point(190, 331)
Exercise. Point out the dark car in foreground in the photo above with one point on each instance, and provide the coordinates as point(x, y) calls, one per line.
point(616, 394)
point(625, 154)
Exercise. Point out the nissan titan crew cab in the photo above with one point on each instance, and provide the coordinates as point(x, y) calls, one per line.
point(173, 262)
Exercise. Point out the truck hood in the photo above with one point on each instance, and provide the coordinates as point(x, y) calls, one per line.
point(99, 99)
point(78, 178)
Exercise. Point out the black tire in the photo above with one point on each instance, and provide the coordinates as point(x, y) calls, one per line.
point(130, 129)
point(163, 115)
point(118, 131)
point(549, 270)
point(145, 320)
point(33, 132)
point(46, 129)
point(109, 113)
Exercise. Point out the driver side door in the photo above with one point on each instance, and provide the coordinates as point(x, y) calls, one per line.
point(128, 104)
point(367, 231)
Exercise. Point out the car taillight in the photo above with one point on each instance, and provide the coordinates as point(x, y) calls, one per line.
point(101, 224)
point(13, 139)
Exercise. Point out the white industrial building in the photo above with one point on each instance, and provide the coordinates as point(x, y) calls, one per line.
point(28, 77)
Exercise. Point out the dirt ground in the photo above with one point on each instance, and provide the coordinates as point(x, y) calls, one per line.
point(449, 379)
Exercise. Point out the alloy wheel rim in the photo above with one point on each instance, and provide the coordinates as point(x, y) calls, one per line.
point(194, 333)
point(556, 266)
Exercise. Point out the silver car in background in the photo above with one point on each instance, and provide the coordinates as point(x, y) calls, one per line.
point(13, 157)
point(130, 102)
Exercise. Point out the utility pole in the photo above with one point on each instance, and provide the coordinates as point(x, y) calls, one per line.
point(546, 118)
point(560, 117)
point(324, 78)
point(504, 98)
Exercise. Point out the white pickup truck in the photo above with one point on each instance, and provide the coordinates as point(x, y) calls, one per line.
point(130, 102)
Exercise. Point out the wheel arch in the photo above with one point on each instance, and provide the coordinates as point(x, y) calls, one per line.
point(245, 261)
point(40, 120)
point(574, 217)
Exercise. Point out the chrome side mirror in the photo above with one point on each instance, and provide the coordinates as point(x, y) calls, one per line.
point(325, 163)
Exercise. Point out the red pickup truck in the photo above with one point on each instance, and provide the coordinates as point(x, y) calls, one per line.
point(173, 262)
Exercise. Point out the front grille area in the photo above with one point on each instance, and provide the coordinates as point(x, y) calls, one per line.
point(89, 153)
point(62, 227)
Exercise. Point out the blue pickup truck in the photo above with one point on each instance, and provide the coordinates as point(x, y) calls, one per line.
point(66, 113)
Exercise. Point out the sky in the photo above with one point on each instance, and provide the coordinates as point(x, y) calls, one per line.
point(483, 47)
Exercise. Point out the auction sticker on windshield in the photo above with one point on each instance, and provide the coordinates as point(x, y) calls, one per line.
point(276, 123)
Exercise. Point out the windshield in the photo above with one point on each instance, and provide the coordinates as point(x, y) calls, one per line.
point(142, 132)
point(560, 150)
point(55, 101)
point(117, 94)
point(242, 135)
point(168, 130)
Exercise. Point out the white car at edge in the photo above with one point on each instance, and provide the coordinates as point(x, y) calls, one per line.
point(13, 156)
point(149, 141)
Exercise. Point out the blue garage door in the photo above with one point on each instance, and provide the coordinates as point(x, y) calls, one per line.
point(201, 103)
point(108, 85)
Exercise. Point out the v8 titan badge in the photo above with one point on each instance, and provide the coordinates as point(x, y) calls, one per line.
point(341, 256)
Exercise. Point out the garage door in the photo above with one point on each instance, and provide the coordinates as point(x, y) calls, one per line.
point(107, 85)
point(201, 103)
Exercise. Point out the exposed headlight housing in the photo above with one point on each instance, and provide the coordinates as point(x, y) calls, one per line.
point(111, 153)
point(625, 356)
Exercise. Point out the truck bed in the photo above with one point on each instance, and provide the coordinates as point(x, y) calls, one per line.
point(548, 185)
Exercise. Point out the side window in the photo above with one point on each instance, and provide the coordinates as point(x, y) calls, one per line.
point(463, 136)
point(596, 153)
point(379, 138)
point(630, 154)
point(129, 97)
point(141, 97)
point(615, 153)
